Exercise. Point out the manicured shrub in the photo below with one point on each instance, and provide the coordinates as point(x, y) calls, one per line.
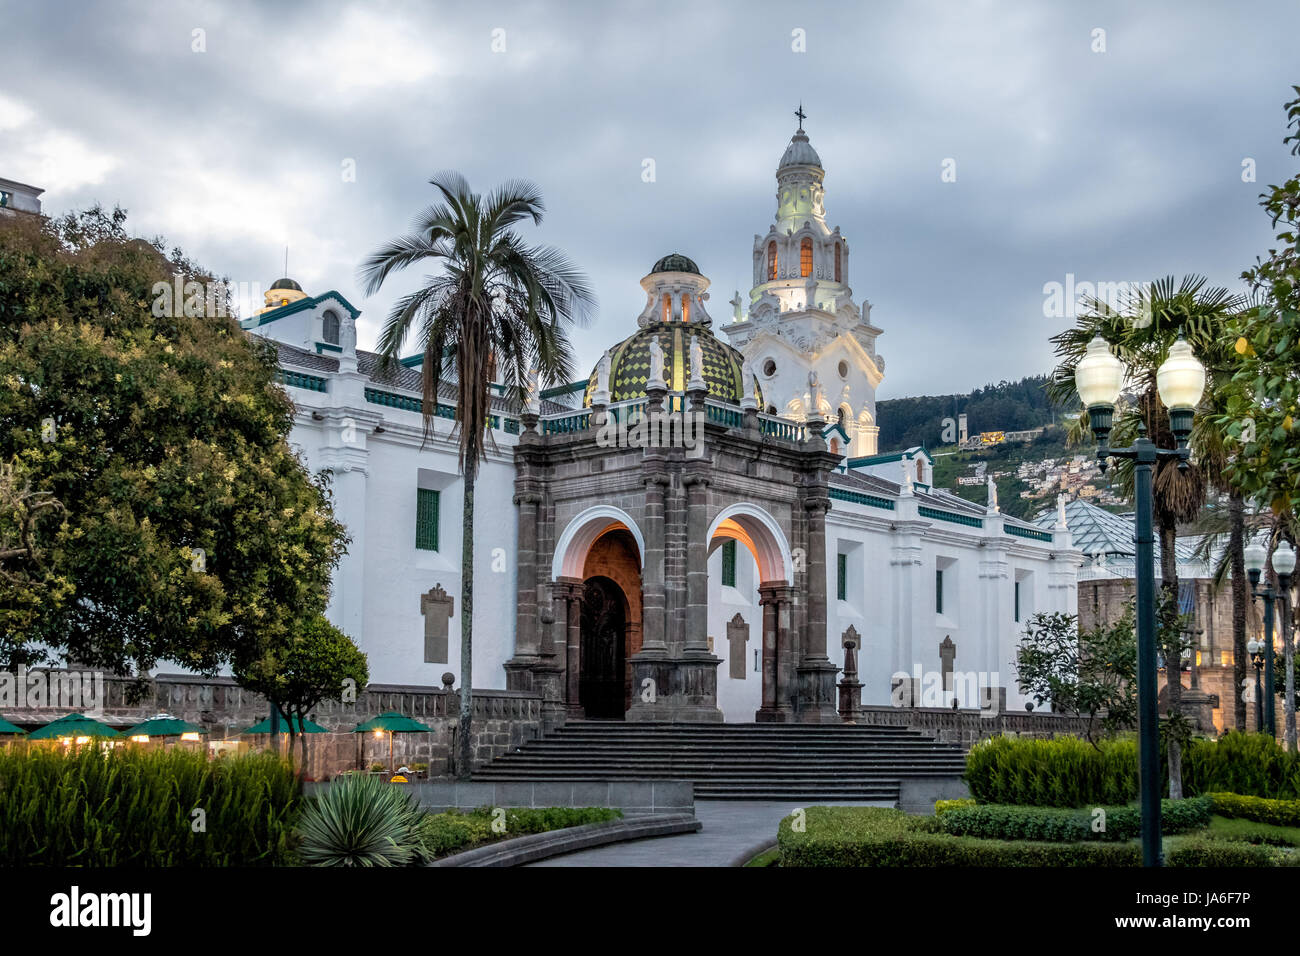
point(444, 833)
point(943, 806)
point(1062, 772)
point(1205, 851)
point(877, 836)
point(359, 820)
point(1067, 825)
point(1069, 772)
point(1250, 764)
point(450, 832)
point(130, 807)
point(1281, 813)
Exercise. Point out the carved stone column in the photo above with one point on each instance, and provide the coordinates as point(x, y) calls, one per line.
point(777, 600)
point(816, 700)
point(527, 642)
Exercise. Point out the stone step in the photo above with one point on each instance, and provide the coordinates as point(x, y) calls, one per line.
point(737, 761)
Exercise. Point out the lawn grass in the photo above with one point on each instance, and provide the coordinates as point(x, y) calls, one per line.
point(1248, 831)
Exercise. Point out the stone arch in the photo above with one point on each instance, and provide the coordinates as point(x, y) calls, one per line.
point(581, 533)
point(758, 531)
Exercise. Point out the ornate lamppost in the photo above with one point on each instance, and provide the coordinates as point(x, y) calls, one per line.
point(1180, 380)
point(1284, 564)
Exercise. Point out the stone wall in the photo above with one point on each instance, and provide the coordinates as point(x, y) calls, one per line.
point(502, 720)
point(1103, 600)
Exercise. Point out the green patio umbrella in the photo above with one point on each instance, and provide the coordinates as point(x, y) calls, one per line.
point(8, 728)
point(73, 725)
point(393, 723)
point(306, 727)
point(164, 725)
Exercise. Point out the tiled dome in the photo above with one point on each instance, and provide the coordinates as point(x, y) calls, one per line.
point(675, 262)
point(630, 364)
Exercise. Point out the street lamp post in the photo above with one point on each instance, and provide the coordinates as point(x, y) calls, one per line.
point(1256, 556)
point(1180, 380)
point(1256, 651)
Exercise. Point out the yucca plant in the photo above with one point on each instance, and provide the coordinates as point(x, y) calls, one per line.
point(361, 821)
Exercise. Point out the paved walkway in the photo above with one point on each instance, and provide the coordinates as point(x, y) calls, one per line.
point(731, 828)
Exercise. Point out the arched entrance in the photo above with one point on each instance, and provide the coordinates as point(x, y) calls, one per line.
point(759, 533)
point(602, 680)
point(597, 566)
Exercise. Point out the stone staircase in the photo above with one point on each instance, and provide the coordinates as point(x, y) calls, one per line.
point(736, 761)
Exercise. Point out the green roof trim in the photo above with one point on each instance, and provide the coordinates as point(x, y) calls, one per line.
point(301, 305)
point(886, 457)
point(564, 389)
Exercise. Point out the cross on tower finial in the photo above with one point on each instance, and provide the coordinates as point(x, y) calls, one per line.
point(801, 114)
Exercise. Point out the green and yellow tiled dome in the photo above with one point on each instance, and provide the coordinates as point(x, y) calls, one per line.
point(630, 364)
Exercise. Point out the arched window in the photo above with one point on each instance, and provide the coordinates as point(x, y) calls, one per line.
point(805, 257)
point(771, 260)
point(839, 273)
point(330, 327)
point(668, 307)
point(686, 308)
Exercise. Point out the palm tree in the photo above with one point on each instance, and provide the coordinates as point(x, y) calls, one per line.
point(1142, 327)
point(497, 311)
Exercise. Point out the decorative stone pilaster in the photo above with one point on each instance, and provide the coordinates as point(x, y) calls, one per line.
point(816, 673)
point(527, 644)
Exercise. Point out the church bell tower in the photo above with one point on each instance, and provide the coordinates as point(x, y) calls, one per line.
point(800, 323)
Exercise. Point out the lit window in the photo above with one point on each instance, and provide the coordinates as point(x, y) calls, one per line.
point(771, 260)
point(805, 257)
point(668, 307)
point(686, 308)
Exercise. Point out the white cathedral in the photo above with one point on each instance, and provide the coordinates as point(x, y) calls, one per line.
point(729, 578)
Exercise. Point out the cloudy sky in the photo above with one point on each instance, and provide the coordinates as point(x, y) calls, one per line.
point(1112, 165)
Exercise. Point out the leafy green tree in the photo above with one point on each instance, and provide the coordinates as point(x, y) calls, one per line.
point(1087, 673)
point(1266, 403)
point(498, 310)
point(189, 530)
point(29, 521)
point(319, 663)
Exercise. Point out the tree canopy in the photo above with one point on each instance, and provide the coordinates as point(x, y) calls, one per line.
point(186, 530)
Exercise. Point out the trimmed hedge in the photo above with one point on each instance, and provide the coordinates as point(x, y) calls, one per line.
point(1069, 772)
point(878, 836)
point(1205, 851)
point(1067, 825)
point(131, 807)
point(455, 830)
point(1251, 764)
point(1280, 813)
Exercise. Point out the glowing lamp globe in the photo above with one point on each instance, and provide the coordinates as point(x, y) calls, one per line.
point(1253, 646)
point(1284, 559)
point(1256, 557)
point(1099, 376)
point(1180, 380)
